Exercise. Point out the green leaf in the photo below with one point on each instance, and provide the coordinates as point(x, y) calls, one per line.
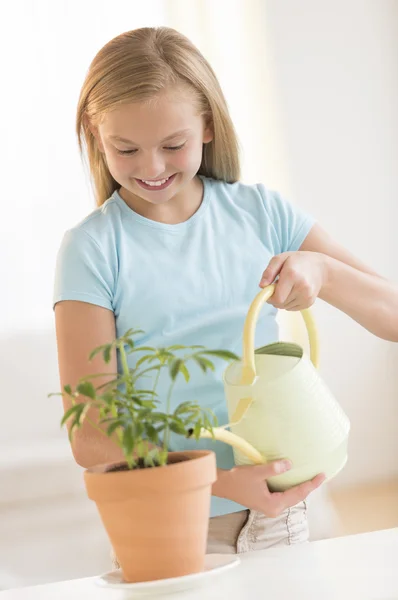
point(175, 367)
point(136, 399)
point(158, 416)
point(131, 332)
point(141, 373)
point(86, 388)
point(177, 347)
point(113, 382)
point(103, 412)
point(177, 427)
point(148, 461)
point(185, 407)
point(145, 393)
point(74, 426)
point(128, 440)
point(95, 352)
point(68, 389)
point(152, 434)
point(107, 398)
point(185, 372)
point(225, 354)
point(95, 375)
point(113, 426)
point(162, 456)
point(141, 349)
point(196, 430)
point(164, 355)
point(146, 358)
point(130, 344)
point(72, 410)
point(207, 424)
point(203, 363)
point(144, 413)
point(107, 353)
point(139, 429)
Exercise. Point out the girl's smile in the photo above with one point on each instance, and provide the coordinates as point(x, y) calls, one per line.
point(156, 185)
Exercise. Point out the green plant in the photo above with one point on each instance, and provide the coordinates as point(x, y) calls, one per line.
point(130, 413)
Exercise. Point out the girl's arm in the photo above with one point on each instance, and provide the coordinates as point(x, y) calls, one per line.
point(81, 327)
point(353, 288)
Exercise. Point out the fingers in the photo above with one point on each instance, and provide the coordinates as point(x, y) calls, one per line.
point(270, 469)
point(294, 302)
point(300, 492)
point(294, 306)
point(284, 289)
point(274, 267)
point(277, 502)
point(295, 288)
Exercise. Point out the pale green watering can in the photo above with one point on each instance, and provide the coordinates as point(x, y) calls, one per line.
point(279, 407)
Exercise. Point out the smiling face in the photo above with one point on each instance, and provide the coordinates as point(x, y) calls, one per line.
point(154, 149)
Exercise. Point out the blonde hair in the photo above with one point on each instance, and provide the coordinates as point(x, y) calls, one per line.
point(137, 66)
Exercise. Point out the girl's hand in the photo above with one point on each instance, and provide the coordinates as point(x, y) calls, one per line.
point(247, 485)
point(301, 276)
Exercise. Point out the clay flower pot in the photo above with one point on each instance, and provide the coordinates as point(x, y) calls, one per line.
point(156, 518)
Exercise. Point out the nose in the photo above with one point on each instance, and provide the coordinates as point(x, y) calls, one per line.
point(152, 166)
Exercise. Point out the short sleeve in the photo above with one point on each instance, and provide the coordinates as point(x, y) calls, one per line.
point(82, 271)
point(291, 225)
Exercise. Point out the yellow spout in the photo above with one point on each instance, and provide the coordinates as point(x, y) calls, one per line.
point(237, 442)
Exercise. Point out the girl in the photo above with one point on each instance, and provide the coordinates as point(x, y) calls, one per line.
point(178, 247)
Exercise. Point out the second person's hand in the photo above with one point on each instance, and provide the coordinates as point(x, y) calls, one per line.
point(247, 485)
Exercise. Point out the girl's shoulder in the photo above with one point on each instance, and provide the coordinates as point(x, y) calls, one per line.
point(266, 210)
point(96, 237)
point(101, 218)
point(102, 229)
point(253, 196)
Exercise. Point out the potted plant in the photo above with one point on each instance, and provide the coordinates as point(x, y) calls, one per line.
point(155, 505)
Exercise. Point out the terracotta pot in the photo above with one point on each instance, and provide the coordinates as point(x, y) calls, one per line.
point(157, 518)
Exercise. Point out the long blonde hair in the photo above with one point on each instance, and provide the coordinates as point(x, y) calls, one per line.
point(138, 65)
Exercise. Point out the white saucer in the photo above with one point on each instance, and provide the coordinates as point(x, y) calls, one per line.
point(215, 564)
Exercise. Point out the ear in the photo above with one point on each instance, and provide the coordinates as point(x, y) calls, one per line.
point(95, 132)
point(208, 135)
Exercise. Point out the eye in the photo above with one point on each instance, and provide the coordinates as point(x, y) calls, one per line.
point(126, 152)
point(172, 148)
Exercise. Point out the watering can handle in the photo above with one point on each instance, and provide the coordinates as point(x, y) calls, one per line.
point(248, 364)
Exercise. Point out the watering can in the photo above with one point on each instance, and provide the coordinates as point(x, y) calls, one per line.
point(280, 408)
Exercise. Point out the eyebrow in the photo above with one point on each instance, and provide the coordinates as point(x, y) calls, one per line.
point(169, 137)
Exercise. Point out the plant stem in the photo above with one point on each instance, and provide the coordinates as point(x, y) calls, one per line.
point(167, 428)
point(125, 366)
point(157, 379)
point(129, 388)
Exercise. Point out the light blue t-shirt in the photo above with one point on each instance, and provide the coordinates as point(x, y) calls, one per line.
point(189, 283)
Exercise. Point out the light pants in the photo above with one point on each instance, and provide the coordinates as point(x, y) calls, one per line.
point(247, 530)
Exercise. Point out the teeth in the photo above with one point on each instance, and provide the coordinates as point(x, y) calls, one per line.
point(156, 183)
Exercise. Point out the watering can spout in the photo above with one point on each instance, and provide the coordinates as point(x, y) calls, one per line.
point(222, 435)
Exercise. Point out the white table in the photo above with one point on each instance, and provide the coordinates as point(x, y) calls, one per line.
point(358, 567)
